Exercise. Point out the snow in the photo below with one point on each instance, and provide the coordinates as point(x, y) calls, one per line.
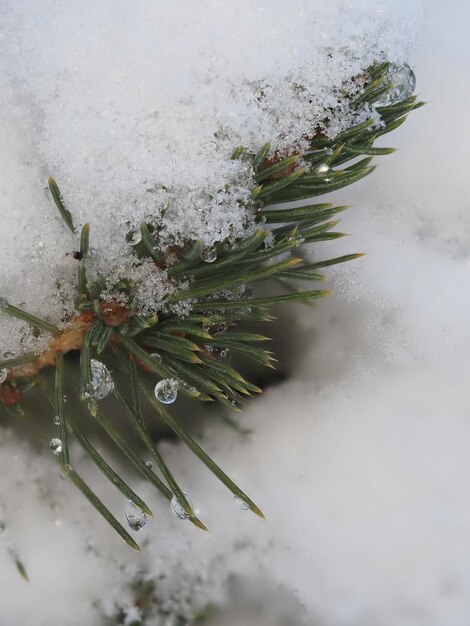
point(359, 460)
point(136, 116)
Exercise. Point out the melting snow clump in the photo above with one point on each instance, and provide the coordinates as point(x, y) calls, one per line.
point(136, 108)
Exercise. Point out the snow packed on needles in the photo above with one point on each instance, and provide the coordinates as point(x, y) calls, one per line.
point(136, 110)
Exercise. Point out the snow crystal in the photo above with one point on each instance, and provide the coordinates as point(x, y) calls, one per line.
point(136, 108)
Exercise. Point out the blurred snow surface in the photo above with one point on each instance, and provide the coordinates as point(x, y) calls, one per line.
point(360, 460)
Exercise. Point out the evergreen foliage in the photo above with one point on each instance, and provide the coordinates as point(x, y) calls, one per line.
point(191, 348)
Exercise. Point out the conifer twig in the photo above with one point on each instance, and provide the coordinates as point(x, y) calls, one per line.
point(189, 350)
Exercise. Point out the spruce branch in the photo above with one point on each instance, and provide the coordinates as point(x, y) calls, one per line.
point(187, 352)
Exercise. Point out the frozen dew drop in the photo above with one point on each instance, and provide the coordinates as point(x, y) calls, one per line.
point(135, 517)
point(56, 420)
point(323, 169)
point(177, 509)
point(56, 445)
point(3, 303)
point(9, 354)
point(241, 504)
point(101, 380)
point(225, 353)
point(209, 255)
point(149, 465)
point(166, 390)
point(403, 81)
point(133, 237)
point(3, 375)
point(156, 357)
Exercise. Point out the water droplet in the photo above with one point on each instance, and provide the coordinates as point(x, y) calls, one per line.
point(9, 354)
point(56, 420)
point(56, 445)
point(101, 380)
point(403, 81)
point(148, 464)
point(241, 504)
point(133, 237)
point(135, 517)
point(3, 303)
point(3, 375)
point(156, 357)
point(65, 399)
point(177, 509)
point(225, 353)
point(166, 390)
point(209, 255)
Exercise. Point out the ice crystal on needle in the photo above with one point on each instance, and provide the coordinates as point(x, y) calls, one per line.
point(136, 108)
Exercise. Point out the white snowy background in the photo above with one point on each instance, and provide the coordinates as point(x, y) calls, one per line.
point(360, 460)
